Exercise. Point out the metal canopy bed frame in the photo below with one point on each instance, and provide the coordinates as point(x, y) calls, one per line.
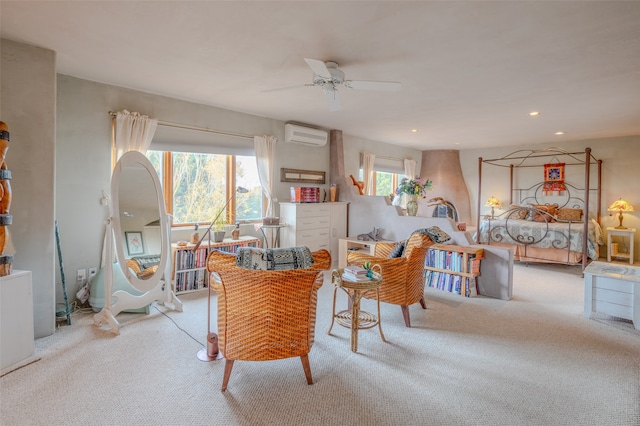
point(560, 235)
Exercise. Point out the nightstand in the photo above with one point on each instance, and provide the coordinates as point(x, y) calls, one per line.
point(626, 232)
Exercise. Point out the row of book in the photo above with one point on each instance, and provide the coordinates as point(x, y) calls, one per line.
point(190, 267)
point(451, 283)
point(452, 261)
point(187, 259)
point(190, 280)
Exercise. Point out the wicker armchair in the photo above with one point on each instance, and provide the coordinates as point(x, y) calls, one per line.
point(402, 277)
point(265, 315)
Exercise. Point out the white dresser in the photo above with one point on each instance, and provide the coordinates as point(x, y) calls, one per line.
point(315, 225)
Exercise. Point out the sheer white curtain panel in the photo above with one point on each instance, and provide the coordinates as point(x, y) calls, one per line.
point(368, 160)
point(409, 173)
point(133, 132)
point(265, 148)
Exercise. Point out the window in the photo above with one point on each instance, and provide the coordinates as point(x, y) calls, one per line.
point(384, 183)
point(198, 185)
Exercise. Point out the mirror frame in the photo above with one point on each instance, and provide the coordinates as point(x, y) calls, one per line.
point(137, 158)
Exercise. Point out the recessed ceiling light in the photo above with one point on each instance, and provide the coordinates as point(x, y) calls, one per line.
point(534, 113)
point(456, 143)
point(559, 133)
point(414, 130)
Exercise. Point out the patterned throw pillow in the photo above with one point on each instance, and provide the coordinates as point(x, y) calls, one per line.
point(539, 216)
point(275, 259)
point(574, 215)
point(398, 250)
point(518, 212)
point(436, 234)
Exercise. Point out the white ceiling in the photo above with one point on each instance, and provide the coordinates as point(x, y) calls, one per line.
point(470, 71)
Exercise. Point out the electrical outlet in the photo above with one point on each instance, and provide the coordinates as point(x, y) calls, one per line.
point(92, 272)
point(81, 275)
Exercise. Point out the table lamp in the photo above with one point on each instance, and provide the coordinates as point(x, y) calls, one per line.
point(620, 206)
point(493, 202)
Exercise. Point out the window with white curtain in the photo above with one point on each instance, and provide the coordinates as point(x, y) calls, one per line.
point(386, 175)
point(200, 171)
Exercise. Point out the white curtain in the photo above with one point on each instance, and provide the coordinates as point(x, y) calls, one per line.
point(409, 173)
point(368, 160)
point(265, 148)
point(133, 132)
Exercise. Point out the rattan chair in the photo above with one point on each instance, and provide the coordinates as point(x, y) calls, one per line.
point(402, 277)
point(265, 315)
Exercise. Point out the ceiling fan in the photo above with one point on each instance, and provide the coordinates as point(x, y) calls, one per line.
point(330, 78)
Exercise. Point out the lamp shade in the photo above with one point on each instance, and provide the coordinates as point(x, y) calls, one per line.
point(493, 202)
point(620, 206)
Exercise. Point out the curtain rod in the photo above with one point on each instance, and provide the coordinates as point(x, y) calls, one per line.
point(385, 157)
point(389, 158)
point(200, 129)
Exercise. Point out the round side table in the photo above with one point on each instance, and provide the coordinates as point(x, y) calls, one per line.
point(354, 318)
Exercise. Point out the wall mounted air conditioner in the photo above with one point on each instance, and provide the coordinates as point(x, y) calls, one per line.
point(295, 133)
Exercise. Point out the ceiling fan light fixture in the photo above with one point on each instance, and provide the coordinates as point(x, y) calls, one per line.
point(329, 78)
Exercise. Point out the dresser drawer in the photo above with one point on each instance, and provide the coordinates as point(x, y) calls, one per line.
point(317, 244)
point(305, 223)
point(303, 235)
point(312, 210)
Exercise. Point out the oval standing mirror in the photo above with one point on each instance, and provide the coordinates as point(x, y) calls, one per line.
point(139, 221)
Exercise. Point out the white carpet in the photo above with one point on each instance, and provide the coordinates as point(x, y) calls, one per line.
point(533, 360)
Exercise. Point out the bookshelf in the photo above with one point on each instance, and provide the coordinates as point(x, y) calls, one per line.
point(453, 268)
point(189, 271)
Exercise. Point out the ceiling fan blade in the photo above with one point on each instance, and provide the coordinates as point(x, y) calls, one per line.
point(278, 89)
point(319, 68)
point(333, 100)
point(384, 86)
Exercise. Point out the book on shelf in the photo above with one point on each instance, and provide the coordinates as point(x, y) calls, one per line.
point(474, 265)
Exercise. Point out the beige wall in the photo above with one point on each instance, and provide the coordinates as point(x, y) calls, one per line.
point(28, 106)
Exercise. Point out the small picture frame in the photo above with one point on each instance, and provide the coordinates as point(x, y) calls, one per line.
point(134, 243)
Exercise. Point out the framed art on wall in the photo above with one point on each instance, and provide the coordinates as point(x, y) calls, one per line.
point(134, 243)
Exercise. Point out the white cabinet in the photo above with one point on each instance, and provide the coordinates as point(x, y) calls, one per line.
point(16, 318)
point(315, 225)
point(612, 289)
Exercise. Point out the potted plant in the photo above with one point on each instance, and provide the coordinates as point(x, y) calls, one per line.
point(219, 230)
point(413, 188)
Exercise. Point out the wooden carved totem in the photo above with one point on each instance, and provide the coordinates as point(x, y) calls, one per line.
point(5, 201)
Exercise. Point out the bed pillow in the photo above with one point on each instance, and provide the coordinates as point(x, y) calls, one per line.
point(536, 216)
point(574, 215)
point(518, 212)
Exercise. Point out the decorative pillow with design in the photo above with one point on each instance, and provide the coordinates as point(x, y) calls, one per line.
point(436, 234)
point(398, 250)
point(573, 215)
point(518, 212)
point(275, 259)
point(540, 216)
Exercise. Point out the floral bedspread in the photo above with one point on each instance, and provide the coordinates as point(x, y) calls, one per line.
point(542, 234)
